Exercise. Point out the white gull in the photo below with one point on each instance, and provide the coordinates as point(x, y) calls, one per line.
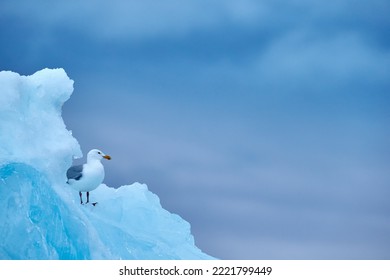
point(88, 176)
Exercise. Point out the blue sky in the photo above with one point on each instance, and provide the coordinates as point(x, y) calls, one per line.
point(265, 124)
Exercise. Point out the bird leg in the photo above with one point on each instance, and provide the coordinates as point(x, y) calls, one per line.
point(87, 197)
point(81, 198)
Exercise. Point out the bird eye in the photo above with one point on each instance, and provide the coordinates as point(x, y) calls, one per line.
point(99, 153)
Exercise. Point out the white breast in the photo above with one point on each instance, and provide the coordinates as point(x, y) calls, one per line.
point(93, 175)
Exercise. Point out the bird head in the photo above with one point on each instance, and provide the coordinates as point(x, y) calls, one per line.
point(97, 154)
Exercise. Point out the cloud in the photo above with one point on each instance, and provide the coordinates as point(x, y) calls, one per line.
point(135, 19)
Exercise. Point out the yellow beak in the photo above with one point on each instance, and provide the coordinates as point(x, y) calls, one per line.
point(107, 157)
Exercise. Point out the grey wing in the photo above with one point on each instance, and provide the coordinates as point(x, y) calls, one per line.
point(75, 172)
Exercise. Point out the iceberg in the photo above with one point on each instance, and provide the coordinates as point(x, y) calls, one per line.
point(41, 216)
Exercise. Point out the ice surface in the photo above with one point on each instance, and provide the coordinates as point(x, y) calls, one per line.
point(41, 217)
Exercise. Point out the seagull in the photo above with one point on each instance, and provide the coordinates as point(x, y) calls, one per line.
point(88, 176)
